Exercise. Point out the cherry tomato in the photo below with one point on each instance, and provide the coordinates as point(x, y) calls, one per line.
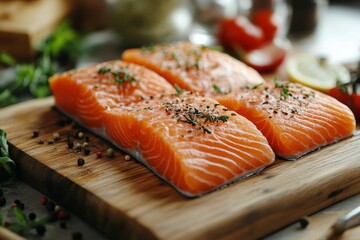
point(265, 59)
point(340, 95)
point(239, 31)
point(264, 19)
point(355, 105)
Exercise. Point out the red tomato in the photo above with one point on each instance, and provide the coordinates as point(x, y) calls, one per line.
point(355, 105)
point(340, 95)
point(239, 31)
point(264, 20)
point(265, 59)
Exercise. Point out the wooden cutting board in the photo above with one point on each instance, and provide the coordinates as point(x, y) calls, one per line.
point(124, 200)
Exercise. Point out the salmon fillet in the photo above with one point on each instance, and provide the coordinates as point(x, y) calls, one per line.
point(295, 119)
point(192, 142)
point(86, 93)
point(294, 125)
point(194, 68)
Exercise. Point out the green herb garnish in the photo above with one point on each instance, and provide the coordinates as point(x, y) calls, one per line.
point(148, 48)
point(179, 91)
point(31, 79)
point(256, 86)
point(284, 90)
point(219, 90)
point(214, 48)
point(6, 163)
point(104, 70)
point(121, 76)
point(23, 223)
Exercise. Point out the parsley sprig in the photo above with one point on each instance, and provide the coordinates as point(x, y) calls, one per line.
point(6, 163)
point(23, 223)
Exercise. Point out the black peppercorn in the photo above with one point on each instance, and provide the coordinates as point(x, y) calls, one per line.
point(50, 206)
point(86, 150)
point(80, 162)
point(32, 216)
point(40, 230)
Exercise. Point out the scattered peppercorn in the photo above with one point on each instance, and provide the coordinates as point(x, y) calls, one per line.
point(40, 230)
point(99, 154)
point(43, 200)
point(36, 133)
point(50, 141)
point(87, 150)
point(50, 206)
point(87, 139)
point(64, 215)
point(41, 141)
point(77, 236)
point(80, 135)
point(56, 136)
point(2, 201)
point(57, 208)
point(78, 147)
point(304, 222)
point(127, 157)
point(17, 201)
point(110, 153)
point(32, 216)
point(63, 225)
point(70, 144)
point(80, 162)
point(53, 216)
point(21, 206)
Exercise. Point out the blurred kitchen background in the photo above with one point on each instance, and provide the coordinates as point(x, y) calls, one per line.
point(55, 35)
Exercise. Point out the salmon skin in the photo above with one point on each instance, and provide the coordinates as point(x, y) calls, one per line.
point(194, 68)
point(192, 142)
point(294, 119)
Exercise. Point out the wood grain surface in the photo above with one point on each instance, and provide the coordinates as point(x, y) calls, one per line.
point(125, 200)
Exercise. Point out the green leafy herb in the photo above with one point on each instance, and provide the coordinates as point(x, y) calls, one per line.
point(148, 48)
point(23, 223)
point(7, 59)
point(215, 48)
point(121, 76)
point(7, 165)
point(179, 91)
point(257, 86)
point(284, 90)
point(221, 91)
point(32, 79)
point(104, 70)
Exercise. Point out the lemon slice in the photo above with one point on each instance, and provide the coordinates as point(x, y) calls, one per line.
point(315, 72)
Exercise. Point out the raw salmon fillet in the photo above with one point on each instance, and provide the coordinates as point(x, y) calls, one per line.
point(295, 119)
point(194, 68)
point(86, 93)
point(192, 142)
point(294, 125)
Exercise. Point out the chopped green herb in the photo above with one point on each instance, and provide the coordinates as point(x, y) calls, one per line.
point(121, 76)
point(215, 48)
point(179, 91)
point(148, 48)
point(104, 70)
point(256, 86)
point(7, 164)
point(284, 90)
point(219, 90)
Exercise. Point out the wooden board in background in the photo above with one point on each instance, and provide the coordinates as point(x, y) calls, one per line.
point(124, 200)
point(24, 24)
